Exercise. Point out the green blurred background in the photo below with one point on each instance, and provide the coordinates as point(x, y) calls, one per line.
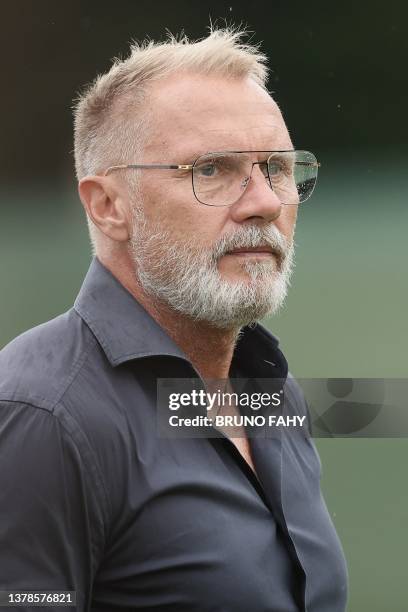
point(339, 75)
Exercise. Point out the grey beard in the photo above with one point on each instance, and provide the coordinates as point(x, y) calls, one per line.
point(187, 279)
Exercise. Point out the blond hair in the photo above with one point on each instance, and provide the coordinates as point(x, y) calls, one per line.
point(109, 117)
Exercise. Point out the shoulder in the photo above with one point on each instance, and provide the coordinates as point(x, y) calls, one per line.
point(38, 371)
point(37, 367)
point(58, 387)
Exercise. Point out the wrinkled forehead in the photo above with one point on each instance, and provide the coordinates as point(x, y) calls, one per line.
point(193, 114)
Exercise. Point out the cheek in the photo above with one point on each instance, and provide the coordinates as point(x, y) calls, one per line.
point(164, 199)
point(287, 221)
point(172, 206)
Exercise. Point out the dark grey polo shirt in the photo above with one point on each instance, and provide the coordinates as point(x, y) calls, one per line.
point(92, 500)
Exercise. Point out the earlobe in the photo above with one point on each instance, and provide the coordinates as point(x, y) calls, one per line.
point(105, 206)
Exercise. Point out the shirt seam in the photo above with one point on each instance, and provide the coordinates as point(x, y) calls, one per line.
point(91, 342)
point(102, 528)
point(92, 464)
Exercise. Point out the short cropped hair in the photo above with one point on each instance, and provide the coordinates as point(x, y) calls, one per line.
point(110, 120)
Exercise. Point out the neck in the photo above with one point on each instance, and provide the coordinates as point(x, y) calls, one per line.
point(209, 349)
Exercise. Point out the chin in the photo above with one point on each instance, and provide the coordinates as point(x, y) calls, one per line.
point(242, 278)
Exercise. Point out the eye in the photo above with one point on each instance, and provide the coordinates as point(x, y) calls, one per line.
point(275, 168)
point(207, 170)
point(222, 166)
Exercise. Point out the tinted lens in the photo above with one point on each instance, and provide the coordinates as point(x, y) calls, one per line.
point(219, 179)
point(292, 175)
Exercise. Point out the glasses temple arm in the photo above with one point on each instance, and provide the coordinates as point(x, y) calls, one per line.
point(312, 164)
point(148, 167)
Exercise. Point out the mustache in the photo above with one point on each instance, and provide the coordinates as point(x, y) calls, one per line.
point(252, 237)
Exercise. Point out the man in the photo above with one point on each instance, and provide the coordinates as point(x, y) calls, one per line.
point(191, 186)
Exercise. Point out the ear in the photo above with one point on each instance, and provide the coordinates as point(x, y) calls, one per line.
point(106, 206)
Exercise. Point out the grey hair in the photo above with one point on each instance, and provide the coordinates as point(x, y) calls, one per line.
point(109, 122)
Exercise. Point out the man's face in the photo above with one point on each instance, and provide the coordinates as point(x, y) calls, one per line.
point(224, 265)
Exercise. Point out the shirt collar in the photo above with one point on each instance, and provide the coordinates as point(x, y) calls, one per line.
point(126, 331)
point(123, 328)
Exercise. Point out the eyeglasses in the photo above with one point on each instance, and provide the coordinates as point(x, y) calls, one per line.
point(220, 178)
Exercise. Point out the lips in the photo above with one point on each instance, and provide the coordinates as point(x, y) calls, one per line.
point(264, 252)
point(260, 249)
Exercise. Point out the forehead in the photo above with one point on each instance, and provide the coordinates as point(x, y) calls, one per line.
point(193, 114)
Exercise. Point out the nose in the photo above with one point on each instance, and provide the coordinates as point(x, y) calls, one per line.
point(258, 199)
